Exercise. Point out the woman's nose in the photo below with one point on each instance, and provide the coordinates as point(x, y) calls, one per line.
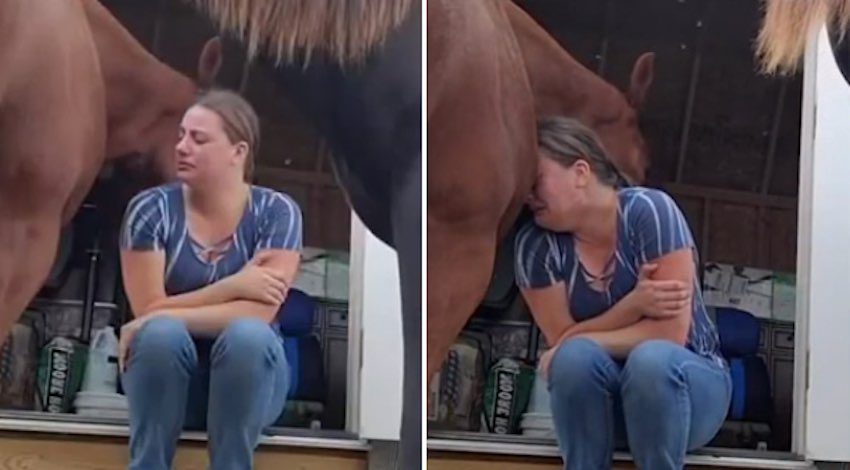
point(182, 146)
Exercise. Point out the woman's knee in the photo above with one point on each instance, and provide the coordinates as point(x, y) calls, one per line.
point(162, 344)
point(577, 363)
point(649, 366)
point(248, 338)
point(163, 334)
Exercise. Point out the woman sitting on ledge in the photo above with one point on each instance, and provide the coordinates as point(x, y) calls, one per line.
point(207, 262)
point(610, 277)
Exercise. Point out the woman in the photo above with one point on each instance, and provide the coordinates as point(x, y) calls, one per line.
point(206, 263)
point(610, 277)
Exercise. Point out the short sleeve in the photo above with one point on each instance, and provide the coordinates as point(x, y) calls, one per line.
point(280, 223)
point(658, 224)
point(539, 257)
point(143, 227)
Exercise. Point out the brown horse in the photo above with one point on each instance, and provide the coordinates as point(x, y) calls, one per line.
point(76, 90)
point(491, 71)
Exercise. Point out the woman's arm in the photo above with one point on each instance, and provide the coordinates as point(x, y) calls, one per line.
point(621, 315)
point(142, 272)
point(211, 319)
point(284, 263)
point(678, 265)
point(550, 310)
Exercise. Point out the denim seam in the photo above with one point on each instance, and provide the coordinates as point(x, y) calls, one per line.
point(609, 436)
point(683, 398)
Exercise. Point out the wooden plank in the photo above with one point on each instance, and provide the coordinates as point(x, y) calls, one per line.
point(693, 80)
point(782, 239)
point(705, 232)
point(741, 228)
point(466, 461)
point(728, 195)
point(763, 255)
point(458, 461)
point(53, 452)
point(281, 176)
point(767, 176)
point(733, 234)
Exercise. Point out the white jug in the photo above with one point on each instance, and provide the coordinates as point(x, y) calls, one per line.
point(102, 368)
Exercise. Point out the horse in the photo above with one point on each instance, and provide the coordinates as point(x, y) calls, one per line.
point(71, 101)
point(785, 29)
point(482, 158)
point(354, 69)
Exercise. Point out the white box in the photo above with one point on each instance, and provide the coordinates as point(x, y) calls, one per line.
point(323, 274)
point(747, 289)
point(785, 297)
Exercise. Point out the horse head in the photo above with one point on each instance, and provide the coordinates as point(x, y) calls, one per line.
point(614, 118)
point(143, 134)
point(563, 86)
point(161, 136)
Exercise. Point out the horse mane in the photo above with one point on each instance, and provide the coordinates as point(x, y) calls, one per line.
point(782, 39)
point(345, 30)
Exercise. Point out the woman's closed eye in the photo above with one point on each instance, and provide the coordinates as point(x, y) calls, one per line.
point(197, 137)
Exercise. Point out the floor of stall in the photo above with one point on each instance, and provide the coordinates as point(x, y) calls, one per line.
point(447, 460)
point(66, 444)
point(456, 450)
point(36, 451)
point(466, 461)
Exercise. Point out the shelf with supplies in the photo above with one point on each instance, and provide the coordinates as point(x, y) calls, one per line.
point(331, 328)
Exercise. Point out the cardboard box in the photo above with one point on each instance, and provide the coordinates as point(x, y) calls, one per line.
point(323, 274)
point(747, 289)
point(766, 294)
point(785, 297)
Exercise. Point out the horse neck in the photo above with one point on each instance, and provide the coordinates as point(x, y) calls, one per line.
point(139, 88)
point(561, 85)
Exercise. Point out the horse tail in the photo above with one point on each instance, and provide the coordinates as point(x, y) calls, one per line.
point(785, 28)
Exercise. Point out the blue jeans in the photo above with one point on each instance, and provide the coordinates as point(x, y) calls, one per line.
point(234, 388)
point(664, 401)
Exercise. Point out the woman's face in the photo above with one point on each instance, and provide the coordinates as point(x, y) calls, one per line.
point(204, 152)
point(558, 193)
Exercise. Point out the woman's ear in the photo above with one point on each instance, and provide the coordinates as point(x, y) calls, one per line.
point(242, 151)
point(582, 171)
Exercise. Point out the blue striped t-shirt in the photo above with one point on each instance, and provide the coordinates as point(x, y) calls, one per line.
point(650, 225)
point(155, 219)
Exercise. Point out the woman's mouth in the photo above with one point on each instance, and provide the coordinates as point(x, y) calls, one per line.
point(184, 166)
point(537, 208)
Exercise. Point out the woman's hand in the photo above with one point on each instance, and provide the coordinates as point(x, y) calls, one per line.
point(659, 299)
point(546, 361)
point(128, 332)
point(255, 282)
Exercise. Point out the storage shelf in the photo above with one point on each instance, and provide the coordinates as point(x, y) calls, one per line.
point(42, 302)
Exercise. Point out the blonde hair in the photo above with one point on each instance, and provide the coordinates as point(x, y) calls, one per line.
point(785, 28)
point(346, 30)
point(239, 120)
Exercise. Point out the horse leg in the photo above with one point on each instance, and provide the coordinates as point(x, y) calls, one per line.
point(460, 264)
point(27, 249)
point(33, 211)
point(407, 237)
